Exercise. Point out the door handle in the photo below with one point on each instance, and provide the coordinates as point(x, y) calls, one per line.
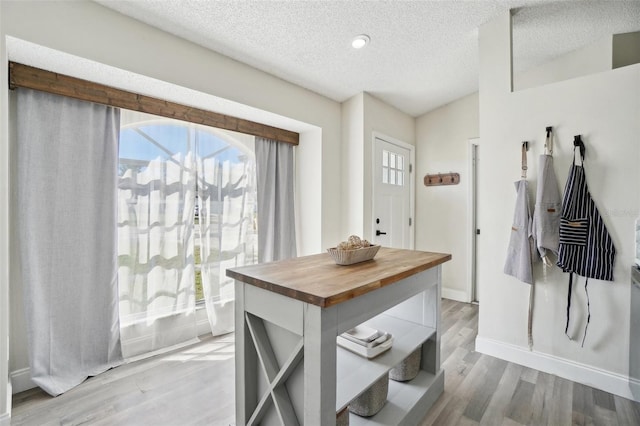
point(378, 232)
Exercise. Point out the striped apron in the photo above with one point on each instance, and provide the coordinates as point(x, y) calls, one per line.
point(585, 248)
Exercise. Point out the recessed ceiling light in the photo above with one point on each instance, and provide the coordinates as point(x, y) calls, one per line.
point(360, 41)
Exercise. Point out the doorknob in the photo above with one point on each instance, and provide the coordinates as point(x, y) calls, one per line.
point(378, 232)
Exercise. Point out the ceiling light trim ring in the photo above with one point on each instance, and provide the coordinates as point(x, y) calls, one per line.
point(360, 41)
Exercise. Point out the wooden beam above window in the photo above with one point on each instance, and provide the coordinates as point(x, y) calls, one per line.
point(38, 79)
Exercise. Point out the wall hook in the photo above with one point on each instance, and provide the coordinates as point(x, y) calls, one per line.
point(577, 142)
point(438, 179)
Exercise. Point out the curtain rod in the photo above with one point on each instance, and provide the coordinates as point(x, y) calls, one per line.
point(21, 75)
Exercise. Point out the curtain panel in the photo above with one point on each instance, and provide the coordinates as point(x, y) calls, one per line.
point(227, 213)
point(276, 222)
point(155, 251)
point(67, 158)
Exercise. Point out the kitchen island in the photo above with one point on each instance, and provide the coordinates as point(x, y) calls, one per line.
point(288, 314)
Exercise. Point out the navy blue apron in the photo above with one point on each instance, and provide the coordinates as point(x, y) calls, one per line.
point(585, 248)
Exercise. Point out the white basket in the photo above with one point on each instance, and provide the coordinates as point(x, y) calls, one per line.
point(349, 257)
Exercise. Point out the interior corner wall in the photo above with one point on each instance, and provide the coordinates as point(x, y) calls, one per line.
point(362, 116)
point(442, 212)
point(352, 166)
point(85, 30)
point(382, 119)
point(5, 383)
point(603, 108)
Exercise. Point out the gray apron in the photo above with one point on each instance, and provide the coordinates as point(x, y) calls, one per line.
point(519, 263)
point(585, 248)
point(521, 243)
point(546, 214)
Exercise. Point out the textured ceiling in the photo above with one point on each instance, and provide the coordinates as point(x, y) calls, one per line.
point(422, 54)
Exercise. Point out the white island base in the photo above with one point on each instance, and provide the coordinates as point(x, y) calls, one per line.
point(288, 314)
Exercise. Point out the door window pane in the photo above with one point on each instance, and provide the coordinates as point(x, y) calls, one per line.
point(392, 168)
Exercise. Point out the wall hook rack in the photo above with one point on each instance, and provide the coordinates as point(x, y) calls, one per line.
point(442, 179)
point(578, 142)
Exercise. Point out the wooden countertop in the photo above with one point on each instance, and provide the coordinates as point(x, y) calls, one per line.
point(316, 279)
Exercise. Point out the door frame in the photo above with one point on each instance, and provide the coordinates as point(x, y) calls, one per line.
point(412, 195)
point(472, 220)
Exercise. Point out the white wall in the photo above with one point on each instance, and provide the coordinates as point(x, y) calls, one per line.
point(362, 115)
point(108, 40)
point(442, 212)
point(610, 52)
point(596, 57)
point(352, 163)
point(604, 108)
point(5, 384)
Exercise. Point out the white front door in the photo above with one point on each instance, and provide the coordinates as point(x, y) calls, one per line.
point(392, 194)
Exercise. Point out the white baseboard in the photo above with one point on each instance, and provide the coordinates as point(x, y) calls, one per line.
point(21, 380)
point(5, 419)
point(614, 383)
point(634, 385)
point(457, 295)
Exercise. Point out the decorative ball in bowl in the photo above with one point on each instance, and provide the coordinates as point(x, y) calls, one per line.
point(354, 250)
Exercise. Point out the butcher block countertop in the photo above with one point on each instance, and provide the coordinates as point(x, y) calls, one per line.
point(316, 279)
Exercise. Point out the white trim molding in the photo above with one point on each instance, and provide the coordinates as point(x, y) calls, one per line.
point(608, 381)
point(457, 295)
point(5, 419)
point(634, 385)
point(472, 221)
point(21, 380)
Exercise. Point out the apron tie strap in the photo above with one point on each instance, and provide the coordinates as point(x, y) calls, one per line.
point(530, 320)
point(588, 311)
point(566, 328)
point(525, 148)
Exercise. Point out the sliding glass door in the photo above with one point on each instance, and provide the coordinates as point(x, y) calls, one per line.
point(186, 212)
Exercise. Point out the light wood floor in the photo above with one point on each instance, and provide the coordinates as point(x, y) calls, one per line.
point(194, 386)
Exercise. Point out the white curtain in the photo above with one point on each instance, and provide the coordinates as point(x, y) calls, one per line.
point(275, 177)
point(227, 215)
point(155, 249)
point(67, 153)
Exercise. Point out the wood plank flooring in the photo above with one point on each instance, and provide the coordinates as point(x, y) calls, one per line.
point(482, 390)
point(194, 386)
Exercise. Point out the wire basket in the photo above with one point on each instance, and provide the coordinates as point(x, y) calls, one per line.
point(349, 257)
